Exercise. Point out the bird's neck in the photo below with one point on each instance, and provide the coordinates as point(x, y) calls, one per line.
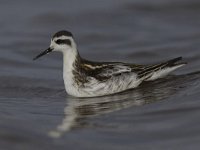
point(70, 58)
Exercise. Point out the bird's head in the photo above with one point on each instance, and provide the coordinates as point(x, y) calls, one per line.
point(61, 41)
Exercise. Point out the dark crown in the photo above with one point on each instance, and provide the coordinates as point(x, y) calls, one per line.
point(63, 32)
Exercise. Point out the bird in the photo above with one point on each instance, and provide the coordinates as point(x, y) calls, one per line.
point(85, 78)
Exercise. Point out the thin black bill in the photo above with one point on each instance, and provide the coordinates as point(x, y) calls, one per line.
point(43, 53)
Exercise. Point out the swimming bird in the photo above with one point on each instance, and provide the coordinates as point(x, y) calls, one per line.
point(84, 78)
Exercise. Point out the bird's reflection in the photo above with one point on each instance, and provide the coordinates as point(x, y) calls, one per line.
point(78, 109)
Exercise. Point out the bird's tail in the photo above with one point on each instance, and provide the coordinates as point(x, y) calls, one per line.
point(148, 72)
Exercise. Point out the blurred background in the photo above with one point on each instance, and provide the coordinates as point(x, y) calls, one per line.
point(36, 112)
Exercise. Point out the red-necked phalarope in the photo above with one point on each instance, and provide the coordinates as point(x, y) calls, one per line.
point(84, 78)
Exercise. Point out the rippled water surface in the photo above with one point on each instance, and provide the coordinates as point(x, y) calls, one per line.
point(36, 112)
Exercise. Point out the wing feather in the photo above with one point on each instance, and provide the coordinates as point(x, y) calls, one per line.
point(153, 68)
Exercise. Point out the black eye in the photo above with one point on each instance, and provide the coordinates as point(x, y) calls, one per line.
point(65, 41)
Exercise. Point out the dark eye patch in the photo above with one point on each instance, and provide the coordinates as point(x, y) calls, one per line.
point(65, 41)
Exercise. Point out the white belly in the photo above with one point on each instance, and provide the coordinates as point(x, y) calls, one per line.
point(96, 88)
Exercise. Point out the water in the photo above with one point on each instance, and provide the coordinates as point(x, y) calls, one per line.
point(35, 111)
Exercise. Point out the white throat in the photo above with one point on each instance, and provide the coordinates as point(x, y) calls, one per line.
point(69, 57)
